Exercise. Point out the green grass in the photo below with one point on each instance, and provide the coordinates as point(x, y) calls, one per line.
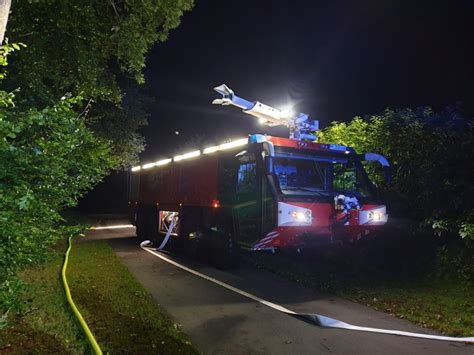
point(443, 304)
point(121, 314)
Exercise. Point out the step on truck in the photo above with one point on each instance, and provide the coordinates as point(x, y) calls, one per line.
point(259, 192)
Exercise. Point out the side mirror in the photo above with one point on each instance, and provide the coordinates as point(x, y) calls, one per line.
point(379, 158)
point(269, 157)
point(269, 165)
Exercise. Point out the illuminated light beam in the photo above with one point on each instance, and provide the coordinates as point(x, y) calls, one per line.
point(196, 153)
point(287, 113)
point(163, 162)
point(210, 150)
point(148, 166)
point(234, 144)
point(189, 155)
point(118, 226)
point(136, 168)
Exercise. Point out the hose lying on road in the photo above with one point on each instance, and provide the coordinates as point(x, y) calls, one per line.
point(317, 319)
point(90, 337)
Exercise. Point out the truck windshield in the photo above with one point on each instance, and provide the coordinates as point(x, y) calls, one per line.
point(309, 175)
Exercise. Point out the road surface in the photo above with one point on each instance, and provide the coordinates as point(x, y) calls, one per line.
point(219, 321)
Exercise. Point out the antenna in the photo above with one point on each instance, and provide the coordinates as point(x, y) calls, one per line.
point(300, 126)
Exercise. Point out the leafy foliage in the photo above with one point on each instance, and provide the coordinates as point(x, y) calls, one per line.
point(119, 124)
point(430, 154)
point(81, 46)
point(94, 49)
point(48, 159)
point(75, 117)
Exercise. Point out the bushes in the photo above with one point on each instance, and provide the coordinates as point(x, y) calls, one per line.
point(96, 49)
point(431, 162)
point(48, 159)
point(49, 155)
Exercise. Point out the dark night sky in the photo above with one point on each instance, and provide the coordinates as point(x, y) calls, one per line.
point(331, 59)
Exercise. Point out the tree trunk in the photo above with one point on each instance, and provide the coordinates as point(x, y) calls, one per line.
point(4, 11)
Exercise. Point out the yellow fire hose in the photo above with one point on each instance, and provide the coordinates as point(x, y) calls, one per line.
point(90, 337)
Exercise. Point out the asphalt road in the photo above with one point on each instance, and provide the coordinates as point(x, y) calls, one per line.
point(219, 321)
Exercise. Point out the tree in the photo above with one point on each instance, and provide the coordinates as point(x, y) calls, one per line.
point(4, 11)
point(93, 49)
point(65, 116)
point(118, 123)
point(430, 154)
point(48, 159)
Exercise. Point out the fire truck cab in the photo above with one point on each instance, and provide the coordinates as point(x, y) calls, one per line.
point(301, 194)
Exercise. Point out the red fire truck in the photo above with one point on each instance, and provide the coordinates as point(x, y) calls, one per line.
point(259, 193)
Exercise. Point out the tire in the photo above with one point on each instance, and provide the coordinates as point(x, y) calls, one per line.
point(147, 225)
point(140, 229)
point(224, 253)
point(152, 230)
point(191, 236)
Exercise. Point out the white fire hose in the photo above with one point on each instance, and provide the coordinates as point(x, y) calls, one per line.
point(317, 319)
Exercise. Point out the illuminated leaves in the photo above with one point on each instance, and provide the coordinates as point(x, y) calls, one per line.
point(430, 154)
point(48, 159)
point(82, 47)
point(96, 49)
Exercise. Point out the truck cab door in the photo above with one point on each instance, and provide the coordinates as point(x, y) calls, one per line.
point(247, 203)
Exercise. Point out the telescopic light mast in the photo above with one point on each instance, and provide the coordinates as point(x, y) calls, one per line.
point(301, 128)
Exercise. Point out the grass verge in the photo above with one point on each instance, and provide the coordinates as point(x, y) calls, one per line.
point(445, 304)
point(121, 314)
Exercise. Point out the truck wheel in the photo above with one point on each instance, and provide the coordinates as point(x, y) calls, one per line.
point(190, 234)
point(147, 225)
point(192, 244)
point(140, 229)
point(223, 251)
point(153, 231)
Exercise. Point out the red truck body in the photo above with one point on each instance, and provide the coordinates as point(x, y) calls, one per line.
point(185, 183)
point(268, 193)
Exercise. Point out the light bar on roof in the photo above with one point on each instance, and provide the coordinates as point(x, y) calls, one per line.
point(224, 146)
point(189, 155)
point(148, 166)
point(196, 153)
point(210, 150)
point(233, 144)
point(163, 162)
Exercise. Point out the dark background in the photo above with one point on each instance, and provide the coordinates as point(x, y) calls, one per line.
point(331, 59)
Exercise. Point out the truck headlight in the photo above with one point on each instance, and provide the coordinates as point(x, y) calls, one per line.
point(301, 216)
point(294, 216)
point(375, 216)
